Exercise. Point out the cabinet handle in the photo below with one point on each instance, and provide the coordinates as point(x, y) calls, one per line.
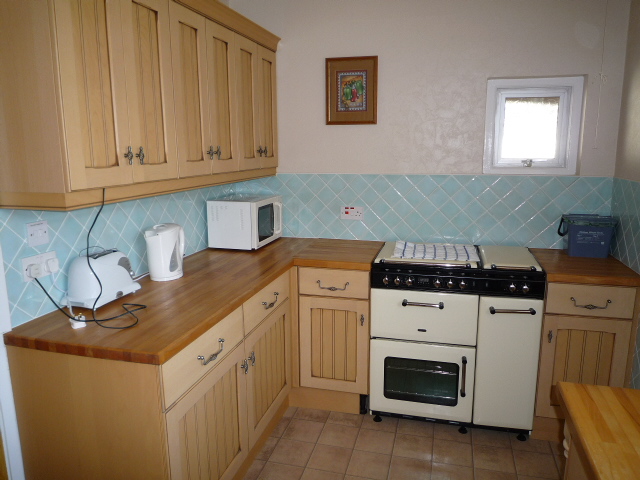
point(213, 355)
point(252, 357)
point(333, 289)
point(362, 319)
point(463, 390)
point(245, 366)
point(211, 152)
point(590, 306)
point(407, 303)
point(260, 151)
point(550, 335)
point(140, 155)
point(266, 151)
point(529, 311)
point(267, 306)
point(129, 155)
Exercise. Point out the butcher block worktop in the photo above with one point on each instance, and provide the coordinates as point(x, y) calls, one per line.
point(215, 283)
point(604, 423)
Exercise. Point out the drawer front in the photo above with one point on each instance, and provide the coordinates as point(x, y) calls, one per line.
point(590, 300)
point(329, 282)
point(265, 301)
point(184, 369)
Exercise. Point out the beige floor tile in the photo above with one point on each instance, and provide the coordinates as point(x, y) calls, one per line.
point(495, 438)
point(278, 471)
point(413, 446)
point(348, 419)
point(254, 470)
point(557, 448)
point(527, 477)
point(536, 464)
point(290, 412)
point(446, 431)
point(404, 468)
point(281, 427)
point(330, 458)
point(388, 424)
point(487, 457)
point(338, 435)
point(312, 414)
point(303, 430)
point(310, 474)
point(454, 453)
point(481, 474)
point(292, 452)
point(530, 445)
point(351, 477)
point(561, 463)
point(375, 441)
point(267, 449)
point(369, 465)
point(443, 471)
point(415, 427)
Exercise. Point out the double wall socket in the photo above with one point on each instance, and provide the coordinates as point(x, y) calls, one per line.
point(352, 213)
point(39, 266)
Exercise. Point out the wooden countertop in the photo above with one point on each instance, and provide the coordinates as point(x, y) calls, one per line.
point(215, 283)
point(562, 268)
point(605, 421)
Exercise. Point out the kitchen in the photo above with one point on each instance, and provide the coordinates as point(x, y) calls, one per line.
point(427, 143)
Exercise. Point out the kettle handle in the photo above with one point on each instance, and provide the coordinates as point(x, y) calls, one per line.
point(278, 218)
point(181, 240)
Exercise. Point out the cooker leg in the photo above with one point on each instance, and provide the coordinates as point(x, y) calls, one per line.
point(463, 430)
point(522, 437)
point(377, 418)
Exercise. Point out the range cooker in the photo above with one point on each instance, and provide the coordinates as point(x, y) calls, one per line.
point(455, 333)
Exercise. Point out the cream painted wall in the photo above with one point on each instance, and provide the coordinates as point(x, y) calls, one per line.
point(628, 166)
point(434, 60)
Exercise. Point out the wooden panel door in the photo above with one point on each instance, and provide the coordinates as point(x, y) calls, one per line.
point(580, 350)
point(189, 55)
point(267, 108)
point(206, 429)
point(146, 34)
point(247, 107)
point(94, 98)
point(269, 377)
point(334, 344)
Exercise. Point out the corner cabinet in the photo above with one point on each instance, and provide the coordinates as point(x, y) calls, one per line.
point(334, 329)
point(141, 98)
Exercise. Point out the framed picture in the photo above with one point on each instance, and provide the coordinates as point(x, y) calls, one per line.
point(352, 87)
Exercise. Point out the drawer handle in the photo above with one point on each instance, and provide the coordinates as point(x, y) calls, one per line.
point(267, 306)
point(590, 306)
point(362, 320)
point(245, 366)
point(463, 390)
point(529, 311)
point(213, 355)
point(252, 357)
point(333, 289)
point(407, 303)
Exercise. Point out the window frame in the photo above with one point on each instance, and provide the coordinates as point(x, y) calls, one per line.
point(569, 89)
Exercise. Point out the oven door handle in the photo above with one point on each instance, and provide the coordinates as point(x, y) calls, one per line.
point(463, 390)
point(407, 303)
point(529, 311)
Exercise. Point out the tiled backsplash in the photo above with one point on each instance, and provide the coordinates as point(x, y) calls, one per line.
point(486, 209)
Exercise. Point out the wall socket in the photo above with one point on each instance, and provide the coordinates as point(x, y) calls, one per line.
point(39, 266)
point(352, 213)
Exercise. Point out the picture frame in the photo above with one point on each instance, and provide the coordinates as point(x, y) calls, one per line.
point(352, 90)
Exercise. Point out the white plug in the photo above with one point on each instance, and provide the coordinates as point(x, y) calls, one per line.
point(78, 322)
point(34, 270)
point(51, 265)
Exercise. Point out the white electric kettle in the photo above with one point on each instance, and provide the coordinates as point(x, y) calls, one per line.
point(165, 249)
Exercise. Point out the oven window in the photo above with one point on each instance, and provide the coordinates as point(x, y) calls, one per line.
point(422, 381)
point(265, 222)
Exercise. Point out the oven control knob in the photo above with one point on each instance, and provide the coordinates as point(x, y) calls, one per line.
point(437, 283)
point(512, 288)
point(462, 284)
point(409, 281)
point(385, 280)
point(397, 281)
point(525, 288)
point(451, 283)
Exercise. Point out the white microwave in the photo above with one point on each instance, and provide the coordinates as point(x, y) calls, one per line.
point(244, 222)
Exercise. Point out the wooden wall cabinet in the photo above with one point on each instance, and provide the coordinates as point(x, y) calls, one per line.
point(334, 329)
point(586, 335)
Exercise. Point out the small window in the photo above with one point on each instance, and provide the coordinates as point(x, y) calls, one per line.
point(533, 125)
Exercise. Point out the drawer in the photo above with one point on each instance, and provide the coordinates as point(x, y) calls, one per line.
point(329, 282)
point(590, 300)
point(184, 369)
point(265, 301)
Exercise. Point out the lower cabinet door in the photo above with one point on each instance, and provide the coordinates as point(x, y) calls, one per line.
point(334, 344)
point(580, 350)
point(206, 429)
point(269, 373)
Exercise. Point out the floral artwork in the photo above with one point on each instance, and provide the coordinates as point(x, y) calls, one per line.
point(352, 86)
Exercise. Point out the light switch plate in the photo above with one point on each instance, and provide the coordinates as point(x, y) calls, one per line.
point(38, 233)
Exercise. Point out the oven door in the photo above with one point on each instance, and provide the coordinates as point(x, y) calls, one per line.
point(422, 379)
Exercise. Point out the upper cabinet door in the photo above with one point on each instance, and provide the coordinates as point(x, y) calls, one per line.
point(147, 53)
point(94, 100)
point(267, 107)
point(247, 73)
point(188, 50)
point(222, 87)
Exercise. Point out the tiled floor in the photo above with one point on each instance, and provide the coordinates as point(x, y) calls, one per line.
point(321, 445)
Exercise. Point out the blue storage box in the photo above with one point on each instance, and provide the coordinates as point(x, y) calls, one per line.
point(589, 235)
